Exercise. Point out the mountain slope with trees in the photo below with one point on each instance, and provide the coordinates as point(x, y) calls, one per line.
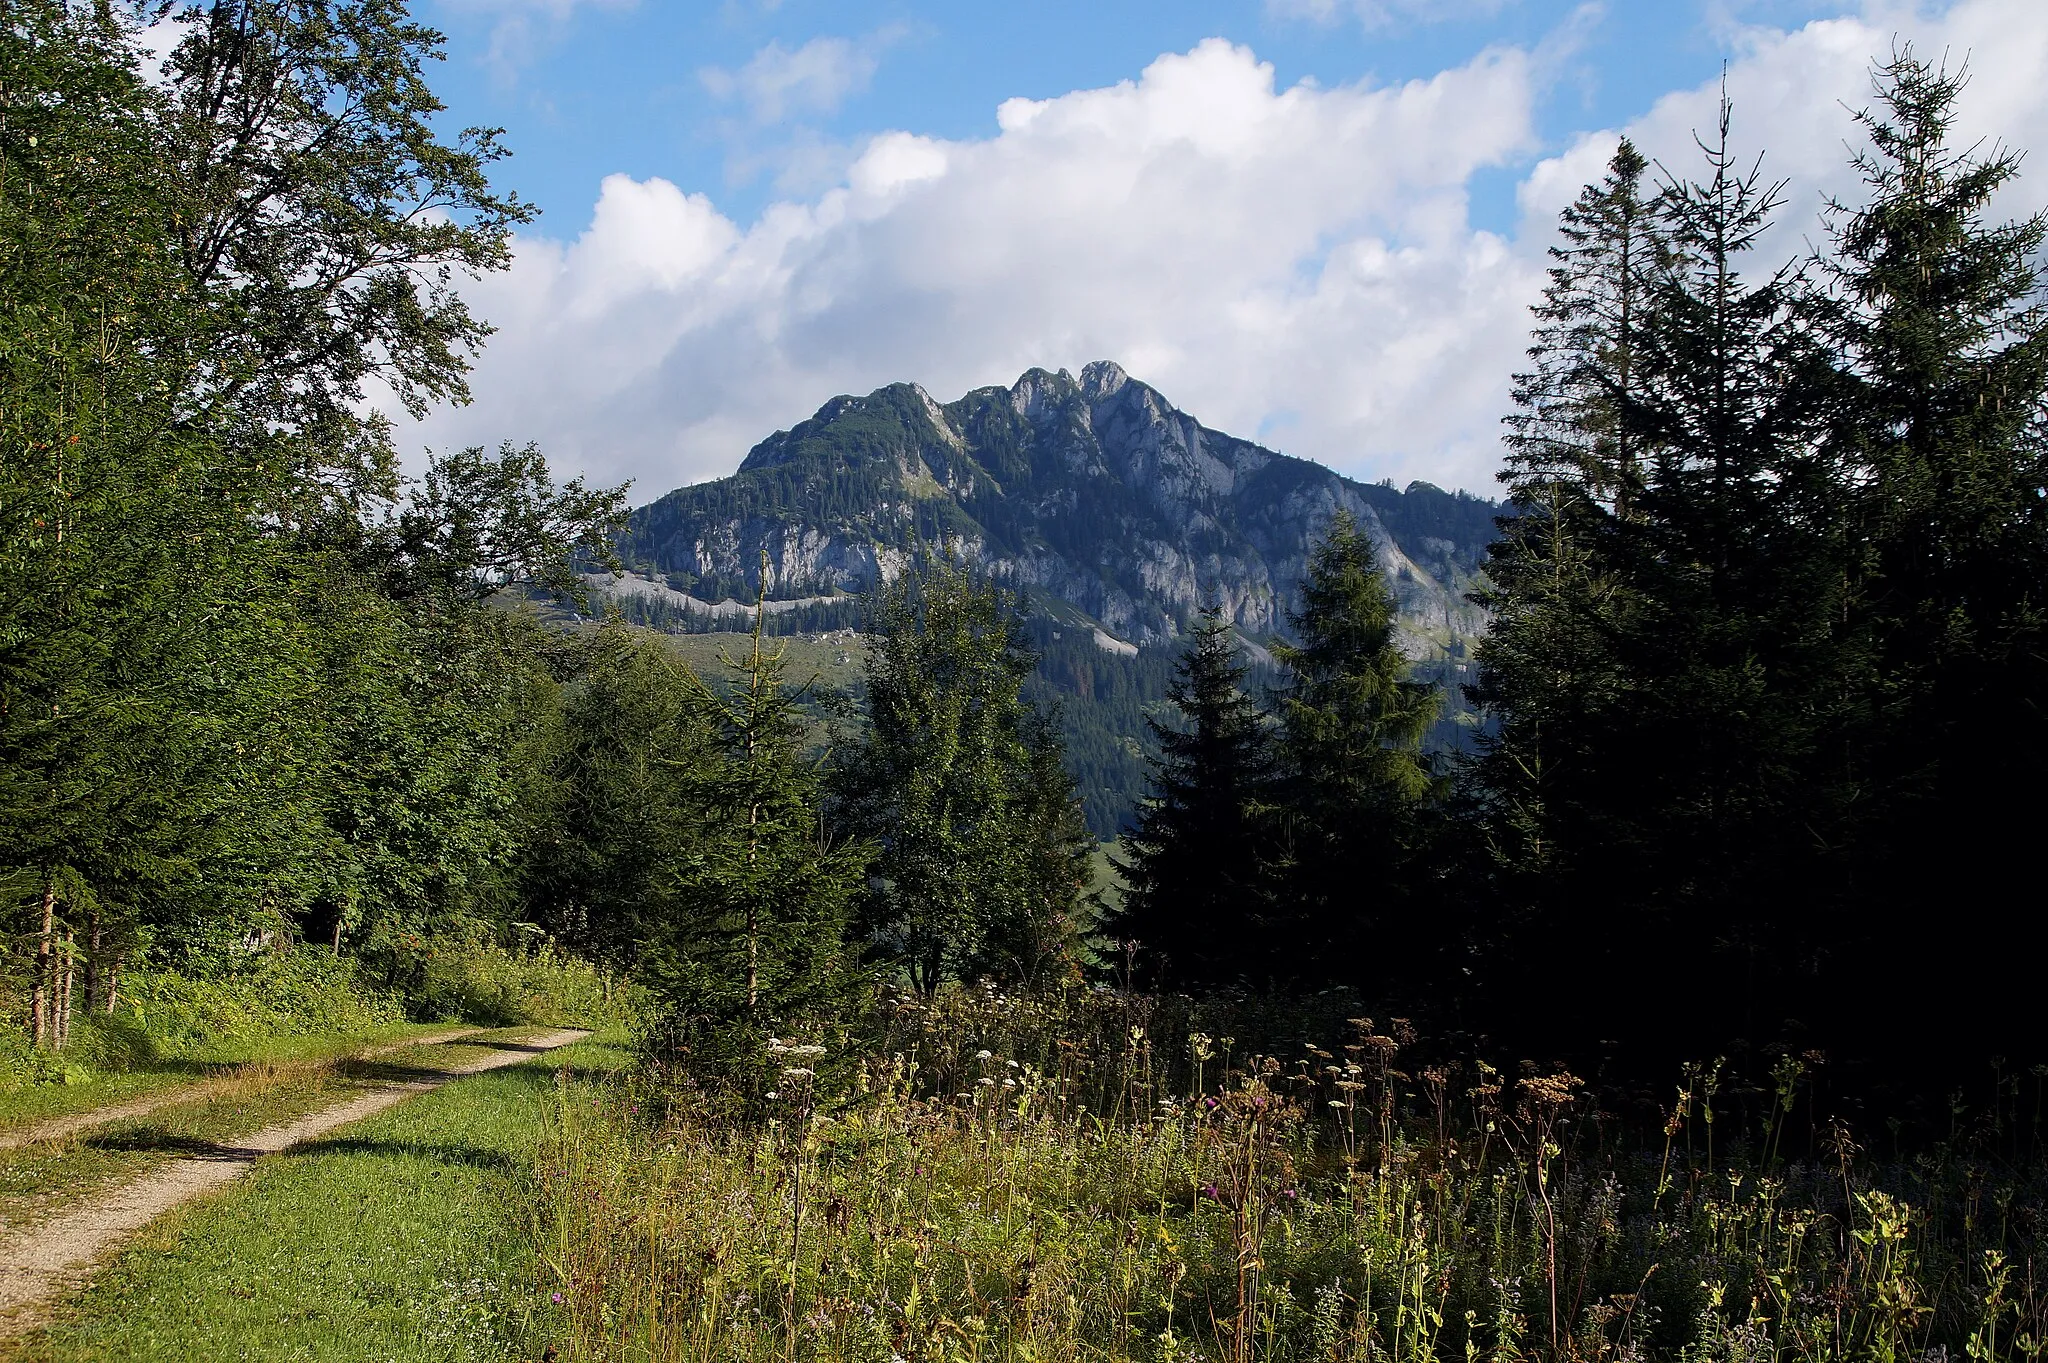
point(1114, 515)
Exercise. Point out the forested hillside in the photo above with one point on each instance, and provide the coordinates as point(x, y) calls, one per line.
point(1690, 1012)
point(1113, 514)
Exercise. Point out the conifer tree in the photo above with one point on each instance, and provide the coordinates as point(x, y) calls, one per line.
point(1198, 905)
point(960, 782)
point(1942, 322)
point(1573, 469)
point(1353, 774)
point(755, 941)
point(1664, 667)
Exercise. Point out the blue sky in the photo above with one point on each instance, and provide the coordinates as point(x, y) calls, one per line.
point(1315, 222)
point(588, 89)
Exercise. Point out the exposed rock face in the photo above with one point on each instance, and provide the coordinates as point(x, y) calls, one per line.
point(1093, 491)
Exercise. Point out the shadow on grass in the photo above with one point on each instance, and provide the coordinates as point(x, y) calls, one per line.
point(464, 1156)
point(155, 1140)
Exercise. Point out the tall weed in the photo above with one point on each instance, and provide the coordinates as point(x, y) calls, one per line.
point(1082, 1193)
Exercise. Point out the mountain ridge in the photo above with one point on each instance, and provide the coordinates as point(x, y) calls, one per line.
point(1092, 491)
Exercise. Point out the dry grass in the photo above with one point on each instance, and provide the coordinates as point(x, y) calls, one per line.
point(946, 1199)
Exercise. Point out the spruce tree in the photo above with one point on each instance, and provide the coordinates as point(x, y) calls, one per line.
point(1573, 469)
point(1353, 773)
point(1198, 903)
point(960, 781)
point(1942, 322)
point(755, 938)
point(1665, 672)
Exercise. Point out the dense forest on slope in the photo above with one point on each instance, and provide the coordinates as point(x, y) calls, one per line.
point(1113, 513)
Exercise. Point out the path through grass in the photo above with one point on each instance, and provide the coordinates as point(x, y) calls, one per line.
point(24, 1106)
point(402, 1238)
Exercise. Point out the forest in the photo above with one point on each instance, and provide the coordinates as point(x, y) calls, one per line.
point(1693, 1013)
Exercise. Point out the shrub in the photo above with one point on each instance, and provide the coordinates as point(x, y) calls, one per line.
point(476, 980)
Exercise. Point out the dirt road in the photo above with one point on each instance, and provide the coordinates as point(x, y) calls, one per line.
point(56, 1128)
point(40, 1262)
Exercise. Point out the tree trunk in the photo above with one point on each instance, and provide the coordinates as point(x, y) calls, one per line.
point(62, 1027)
point(39, 1010)
point(113, 984)
point(92, 964)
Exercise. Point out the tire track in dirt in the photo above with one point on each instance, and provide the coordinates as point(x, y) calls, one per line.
point(40, 1262)
point(56, 1128)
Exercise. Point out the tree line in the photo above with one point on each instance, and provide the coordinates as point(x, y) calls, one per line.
point(1764, 683)
point(259, 688)
point(1765, 675)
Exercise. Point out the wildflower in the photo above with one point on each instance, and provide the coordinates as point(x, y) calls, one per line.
point(1009, 1083)
point(773, 1095)
point(984, 1055)
point(796, 1074)
point(556, 1297)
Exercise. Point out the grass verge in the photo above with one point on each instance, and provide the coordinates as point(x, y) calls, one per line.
point(404, 1237)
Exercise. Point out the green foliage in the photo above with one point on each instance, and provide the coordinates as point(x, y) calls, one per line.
point(1668, 664)
point(756, 942)
point(300, 993)
point(1123, 1192)
point(1941, 321)
point(469, 977)
point(1353, 776)
point(1198, 903)
point(958, 779)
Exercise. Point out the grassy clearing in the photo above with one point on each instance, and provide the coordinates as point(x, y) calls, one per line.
point(1116, 1195)
point(404, 1237)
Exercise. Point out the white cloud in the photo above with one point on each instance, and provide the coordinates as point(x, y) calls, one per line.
point(1248, 249)
point(1384, 13)
point(525, 27)
point(778, 84)
point(1295, 262)
point(1793, 95)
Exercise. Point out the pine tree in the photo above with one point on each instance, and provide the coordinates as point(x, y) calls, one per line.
point(1198, 905)
point(1353, 774)
point(959, 780)
point(1942, 321)
point(755, 943)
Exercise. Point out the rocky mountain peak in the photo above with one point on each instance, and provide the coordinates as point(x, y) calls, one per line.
point(1094, 493)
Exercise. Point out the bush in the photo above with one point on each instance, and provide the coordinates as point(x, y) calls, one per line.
point(476, 980)
point(298, 993)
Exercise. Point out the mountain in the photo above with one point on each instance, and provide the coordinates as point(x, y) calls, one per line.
point(1114, 513)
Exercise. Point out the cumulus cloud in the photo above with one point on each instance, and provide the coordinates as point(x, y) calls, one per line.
point(1794, 94)
point(1252, 250)
point(1295, 265)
